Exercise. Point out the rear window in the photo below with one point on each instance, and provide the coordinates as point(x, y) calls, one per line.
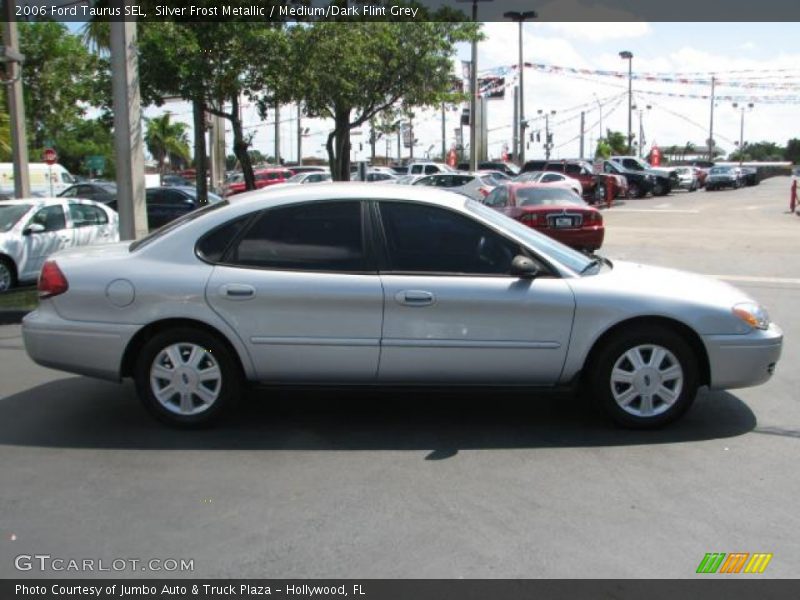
point(176, 224)
point(546, 197)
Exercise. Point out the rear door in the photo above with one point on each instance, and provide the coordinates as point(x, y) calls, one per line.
point(453, 312)
point(300, 287)
point(90, 224)
point(56, 236)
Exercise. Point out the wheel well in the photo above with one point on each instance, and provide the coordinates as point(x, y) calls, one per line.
point(10, 262)
point(686, 332)
point(147, 333)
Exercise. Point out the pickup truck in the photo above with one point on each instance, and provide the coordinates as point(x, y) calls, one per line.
point(665, 179)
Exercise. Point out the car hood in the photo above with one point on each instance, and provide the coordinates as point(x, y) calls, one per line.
point(632, 289)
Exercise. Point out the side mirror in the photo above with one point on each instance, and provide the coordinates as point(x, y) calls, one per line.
point(524, 267)
point(33, 228)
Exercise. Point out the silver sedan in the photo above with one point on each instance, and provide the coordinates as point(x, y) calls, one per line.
point(385, 284)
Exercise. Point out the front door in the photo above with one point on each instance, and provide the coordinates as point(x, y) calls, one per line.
point(453, 312)
point(38, 246)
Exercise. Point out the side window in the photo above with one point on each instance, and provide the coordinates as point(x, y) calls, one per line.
point(51, 218)
point(154, 197)
point(85, 215)
point(429, 239)
point(426, 181)
point(213, 245)
point(416, 169)
point(70, 193)
point(551, 177)
point(573, 169)
point(498, 198)
point(173, 198)
point(459, 180)
point(324, 236)
point(431, 169)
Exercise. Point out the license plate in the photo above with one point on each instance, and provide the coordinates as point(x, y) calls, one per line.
point(563, 222)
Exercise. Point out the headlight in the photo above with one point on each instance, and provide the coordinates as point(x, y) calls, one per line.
point(754, 315)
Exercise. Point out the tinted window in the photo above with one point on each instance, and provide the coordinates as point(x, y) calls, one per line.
point(84, 215)
point(573, 169)
point(498, 198)
point(214, 244)
point(549, 178)
point(323, 236)
point(424, 238)
point(51, 218)
point(70, 192)
point(431, 169)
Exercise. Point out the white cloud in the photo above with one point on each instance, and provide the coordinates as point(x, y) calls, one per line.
point(600, 32)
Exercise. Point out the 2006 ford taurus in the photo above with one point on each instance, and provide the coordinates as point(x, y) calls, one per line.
point(375, 284)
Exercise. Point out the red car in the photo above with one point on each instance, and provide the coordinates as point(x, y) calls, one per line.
point(264, 177)
point(556, 212)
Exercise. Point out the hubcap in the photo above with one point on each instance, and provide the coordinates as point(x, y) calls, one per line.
point(185, 379)
point(646, 380)
point(5, 277)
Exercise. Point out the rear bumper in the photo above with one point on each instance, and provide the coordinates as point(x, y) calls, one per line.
point(590, 238)
point(85, 348)
point(743, 360)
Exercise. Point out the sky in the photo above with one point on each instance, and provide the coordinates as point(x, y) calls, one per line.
point(706, 48)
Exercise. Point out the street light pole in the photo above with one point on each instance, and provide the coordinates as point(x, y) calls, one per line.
point(627, 55)
point(521, 17)
point(16, 104)
point(741, 129)
point(599, 106)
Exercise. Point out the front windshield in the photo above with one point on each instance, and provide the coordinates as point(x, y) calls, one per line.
point(719, 170)
point(551, 196)
point(10, 214)
point(572, 259)
point(297, 178)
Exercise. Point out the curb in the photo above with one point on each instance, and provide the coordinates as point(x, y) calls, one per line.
point(12, 317)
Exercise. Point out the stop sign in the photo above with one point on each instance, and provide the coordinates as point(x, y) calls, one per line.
point(50, 156)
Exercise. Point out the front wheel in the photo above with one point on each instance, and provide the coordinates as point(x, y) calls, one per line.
point(187, 377)
point(635, 191)
point(8, 278)
point(644, 378)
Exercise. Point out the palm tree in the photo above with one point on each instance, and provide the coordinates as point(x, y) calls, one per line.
point(5, 131)
point(165, 138)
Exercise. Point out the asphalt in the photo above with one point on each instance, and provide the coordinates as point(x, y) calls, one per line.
point(430, 484)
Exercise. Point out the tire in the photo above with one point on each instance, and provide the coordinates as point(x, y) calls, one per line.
point(8, 274)
point(193, 402)
point(600, 193)
point(667, 371)
point(636, 191)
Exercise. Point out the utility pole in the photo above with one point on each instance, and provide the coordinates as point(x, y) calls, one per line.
point(16, 104)
point(711, 125)
point(627, 55)
point(547, 137)
point(521, 17)
point(128, 131)
point(583, 123)
point(277, 133)
point(518, 142)
point(299, 135)
point(444, 134)
point(411, 138)
point(372, 140)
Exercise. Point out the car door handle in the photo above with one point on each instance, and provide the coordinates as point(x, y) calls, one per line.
point(238, 291)
point(415, 298)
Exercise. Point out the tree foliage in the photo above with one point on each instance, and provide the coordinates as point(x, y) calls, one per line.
point(351, 72)
point(165, 138)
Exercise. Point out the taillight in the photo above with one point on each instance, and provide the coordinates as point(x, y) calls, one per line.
point(595, 217)
point(51, 280)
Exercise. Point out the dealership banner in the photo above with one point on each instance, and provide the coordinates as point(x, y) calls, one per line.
point(403, 589)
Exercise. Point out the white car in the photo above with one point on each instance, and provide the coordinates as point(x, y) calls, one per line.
point(310, 177)
point(473, 185)
point(32, 229)
point(551, 178)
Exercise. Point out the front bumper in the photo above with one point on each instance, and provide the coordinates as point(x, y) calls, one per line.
point(85, 348)
point(743, 360)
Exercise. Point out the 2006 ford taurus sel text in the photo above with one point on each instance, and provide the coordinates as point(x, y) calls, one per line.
point(378, 284)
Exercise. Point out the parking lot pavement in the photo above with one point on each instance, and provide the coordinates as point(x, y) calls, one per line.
point(424, 483)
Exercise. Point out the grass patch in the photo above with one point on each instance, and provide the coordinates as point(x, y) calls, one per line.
point(24, 299)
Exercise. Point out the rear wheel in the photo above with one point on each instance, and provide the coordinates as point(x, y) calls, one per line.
point(635, 191)
point(600, 193)
point(644, 378)
point(187, 377)
point(8, 275)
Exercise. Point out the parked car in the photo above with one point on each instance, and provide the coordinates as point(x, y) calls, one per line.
point(665, 179)
point(722, 177)
point(309, 177)
point(560, 180)
point(297, 169)
point(687, 179)
point(497, 176)
point(165, 204)
point(44, 179)
point(428, 168)
point(99, 191)
point(639, 183)
point(472, 185)
point(407, 179)
point(503, 166)
point(176, 180)
point(555, 211)
point(594, 185)
point(263, 178)
point(387, 285)
point(32, 229)
point(750, 176)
